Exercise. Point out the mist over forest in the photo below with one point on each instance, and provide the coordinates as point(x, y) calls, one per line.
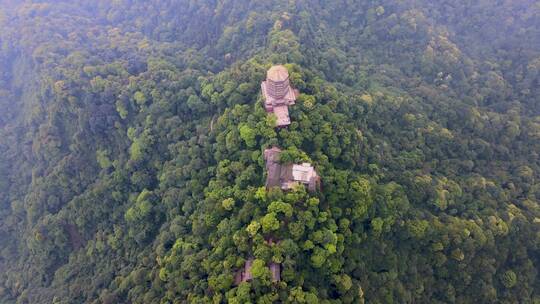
point(241, 151)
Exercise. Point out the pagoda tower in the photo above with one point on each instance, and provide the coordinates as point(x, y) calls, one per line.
point(278, 94)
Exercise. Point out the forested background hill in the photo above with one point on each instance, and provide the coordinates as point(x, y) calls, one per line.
point(131, 139)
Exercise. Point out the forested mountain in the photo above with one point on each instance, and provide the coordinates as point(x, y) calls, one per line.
point(132, 137)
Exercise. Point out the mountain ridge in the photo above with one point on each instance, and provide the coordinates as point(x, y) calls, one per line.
point(121, 141)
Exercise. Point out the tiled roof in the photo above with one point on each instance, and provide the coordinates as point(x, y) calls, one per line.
point(275, 270)
point(282, 114)
point(273, 167)
point(303, 173)
point(247, 271)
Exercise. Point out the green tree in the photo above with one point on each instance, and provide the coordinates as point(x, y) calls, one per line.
point(509, 279)
point(269, 222)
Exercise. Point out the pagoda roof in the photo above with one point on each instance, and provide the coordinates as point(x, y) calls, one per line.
point(277, 73)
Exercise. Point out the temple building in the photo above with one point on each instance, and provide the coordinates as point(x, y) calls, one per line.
point(273, 167)
point(303, 174)
point(275, 268)
point(287, 176)
point(245, 274)
point(278, 94)
point(275, 271)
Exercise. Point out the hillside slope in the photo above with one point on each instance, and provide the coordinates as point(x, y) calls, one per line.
point(132, 137)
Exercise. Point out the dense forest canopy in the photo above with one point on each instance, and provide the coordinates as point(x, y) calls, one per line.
point(132, 136)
